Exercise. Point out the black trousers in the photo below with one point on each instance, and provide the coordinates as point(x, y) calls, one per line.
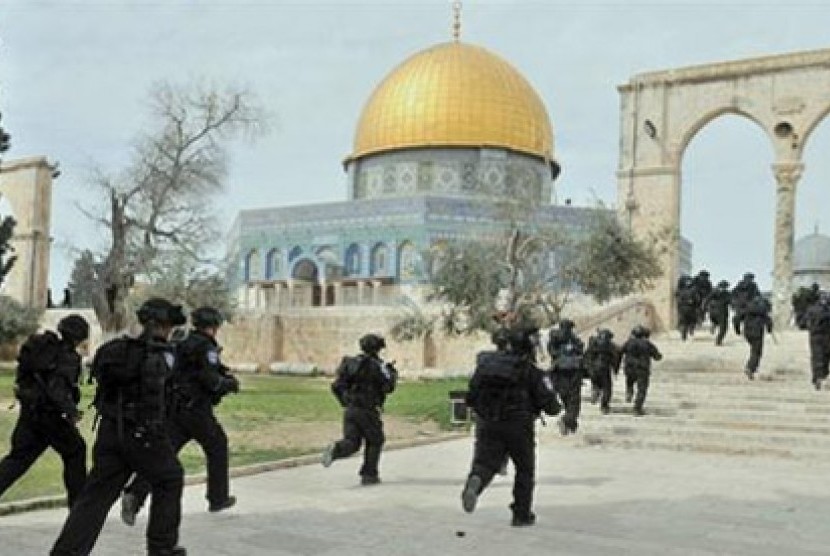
point(33, 433)
point(641, 379)
point(687, 320)
point(756, 350)
point(114, 458)
point(199, 424)
point(360, 424)
point(568, 386)
point(496, 440)
point(602, 386)
point(721, 322)
point(819, 356)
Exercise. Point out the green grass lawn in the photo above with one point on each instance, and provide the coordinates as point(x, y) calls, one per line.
point(272, 418)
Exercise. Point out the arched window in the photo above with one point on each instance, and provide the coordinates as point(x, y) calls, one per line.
point(353, 262)
point(253, 266)
point(273, 266)
point(380, 260)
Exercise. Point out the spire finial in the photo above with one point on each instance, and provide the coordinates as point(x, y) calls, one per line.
point(456, 23)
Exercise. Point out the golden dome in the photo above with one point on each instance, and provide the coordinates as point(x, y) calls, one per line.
point(454, 94)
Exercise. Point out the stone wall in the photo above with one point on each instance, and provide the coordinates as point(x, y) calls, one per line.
point(318, 338)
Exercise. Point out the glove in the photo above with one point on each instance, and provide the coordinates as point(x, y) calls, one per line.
point(229, 384)
point(553, 407)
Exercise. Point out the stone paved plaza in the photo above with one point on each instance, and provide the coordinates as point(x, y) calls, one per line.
point(590, 501)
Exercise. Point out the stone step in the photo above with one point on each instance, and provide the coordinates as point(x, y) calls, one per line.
point(689, 436)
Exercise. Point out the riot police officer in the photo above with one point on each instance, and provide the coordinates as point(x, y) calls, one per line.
point(46, 384)
point(507, 392)
point(755, 320)
point(131, 400)
point(802, 300)
point(817, 321)
point(688, 308)
point(200, 381)
point(361, 387)
point(703, 287)
point(567, 371)
point(717, 305)
point(637, 353)
point(602, 358)
point(744, 291)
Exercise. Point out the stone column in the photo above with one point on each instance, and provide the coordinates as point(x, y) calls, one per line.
point(290, 300)
point(361, 286)
point(375, 291)
point(648, 203)
point(323, 289)
point(787, 175)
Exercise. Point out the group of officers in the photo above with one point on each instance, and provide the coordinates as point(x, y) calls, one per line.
point(508, 392)
point(152, 397)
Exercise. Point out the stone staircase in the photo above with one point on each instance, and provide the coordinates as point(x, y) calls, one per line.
point(700, 400)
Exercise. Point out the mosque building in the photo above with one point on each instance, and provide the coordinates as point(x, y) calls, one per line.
point(811, 261)
point(446, 141)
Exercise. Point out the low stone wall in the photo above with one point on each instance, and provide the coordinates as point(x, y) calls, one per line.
point(316, 339)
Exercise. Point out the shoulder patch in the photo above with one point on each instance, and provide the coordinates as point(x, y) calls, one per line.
point(213, 357)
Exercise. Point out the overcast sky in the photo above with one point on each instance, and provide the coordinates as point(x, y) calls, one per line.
point(74, 78)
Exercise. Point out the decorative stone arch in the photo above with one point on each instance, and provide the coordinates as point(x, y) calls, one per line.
point(306, 269)
point(253, 266)
point(26, 184)
point(294, 254)
point(785, 95)
point(329, 261)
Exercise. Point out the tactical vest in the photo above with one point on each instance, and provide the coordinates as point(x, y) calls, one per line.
point(361, 382)
point(37, 359)
point(132, 374)
point(502, 387)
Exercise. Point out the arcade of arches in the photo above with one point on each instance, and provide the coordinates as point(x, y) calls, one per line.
point(785, 95)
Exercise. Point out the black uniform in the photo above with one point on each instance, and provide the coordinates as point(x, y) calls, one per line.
point(602, 357)
point(801, 302)
point(688, 307)
point(132, 438)
point(755, 321)
point(507, 393)
point(47, 388)
point(200, 381)
point(637, 353)
point(744, 291)
point(817, 321)
point(361, 387)
point(717, 306)
point(567, 371)
point(703, 287)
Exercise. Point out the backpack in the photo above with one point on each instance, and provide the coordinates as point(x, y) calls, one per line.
point(501, 388)
point(38, 358)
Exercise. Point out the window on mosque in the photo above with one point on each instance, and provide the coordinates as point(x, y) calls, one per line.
point(253, 266)
point(408, 261)
point(379, 259)
point(274, 269)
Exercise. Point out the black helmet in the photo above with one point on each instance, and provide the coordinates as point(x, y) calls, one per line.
point(521, 339)
point(206, 317)
point(605, 334)
point(500, 337)
point(723, 284)
point(161, 311)
point(371, 343)
point(749, 277)
point(566, 324)
point(640, 331)
point(815, 287)
point(74, 328)
point(703, 273)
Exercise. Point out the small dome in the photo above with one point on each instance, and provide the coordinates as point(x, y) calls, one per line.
point(812, 253)
point(454, 95)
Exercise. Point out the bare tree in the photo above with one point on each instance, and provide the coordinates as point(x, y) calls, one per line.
point(162, 201)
